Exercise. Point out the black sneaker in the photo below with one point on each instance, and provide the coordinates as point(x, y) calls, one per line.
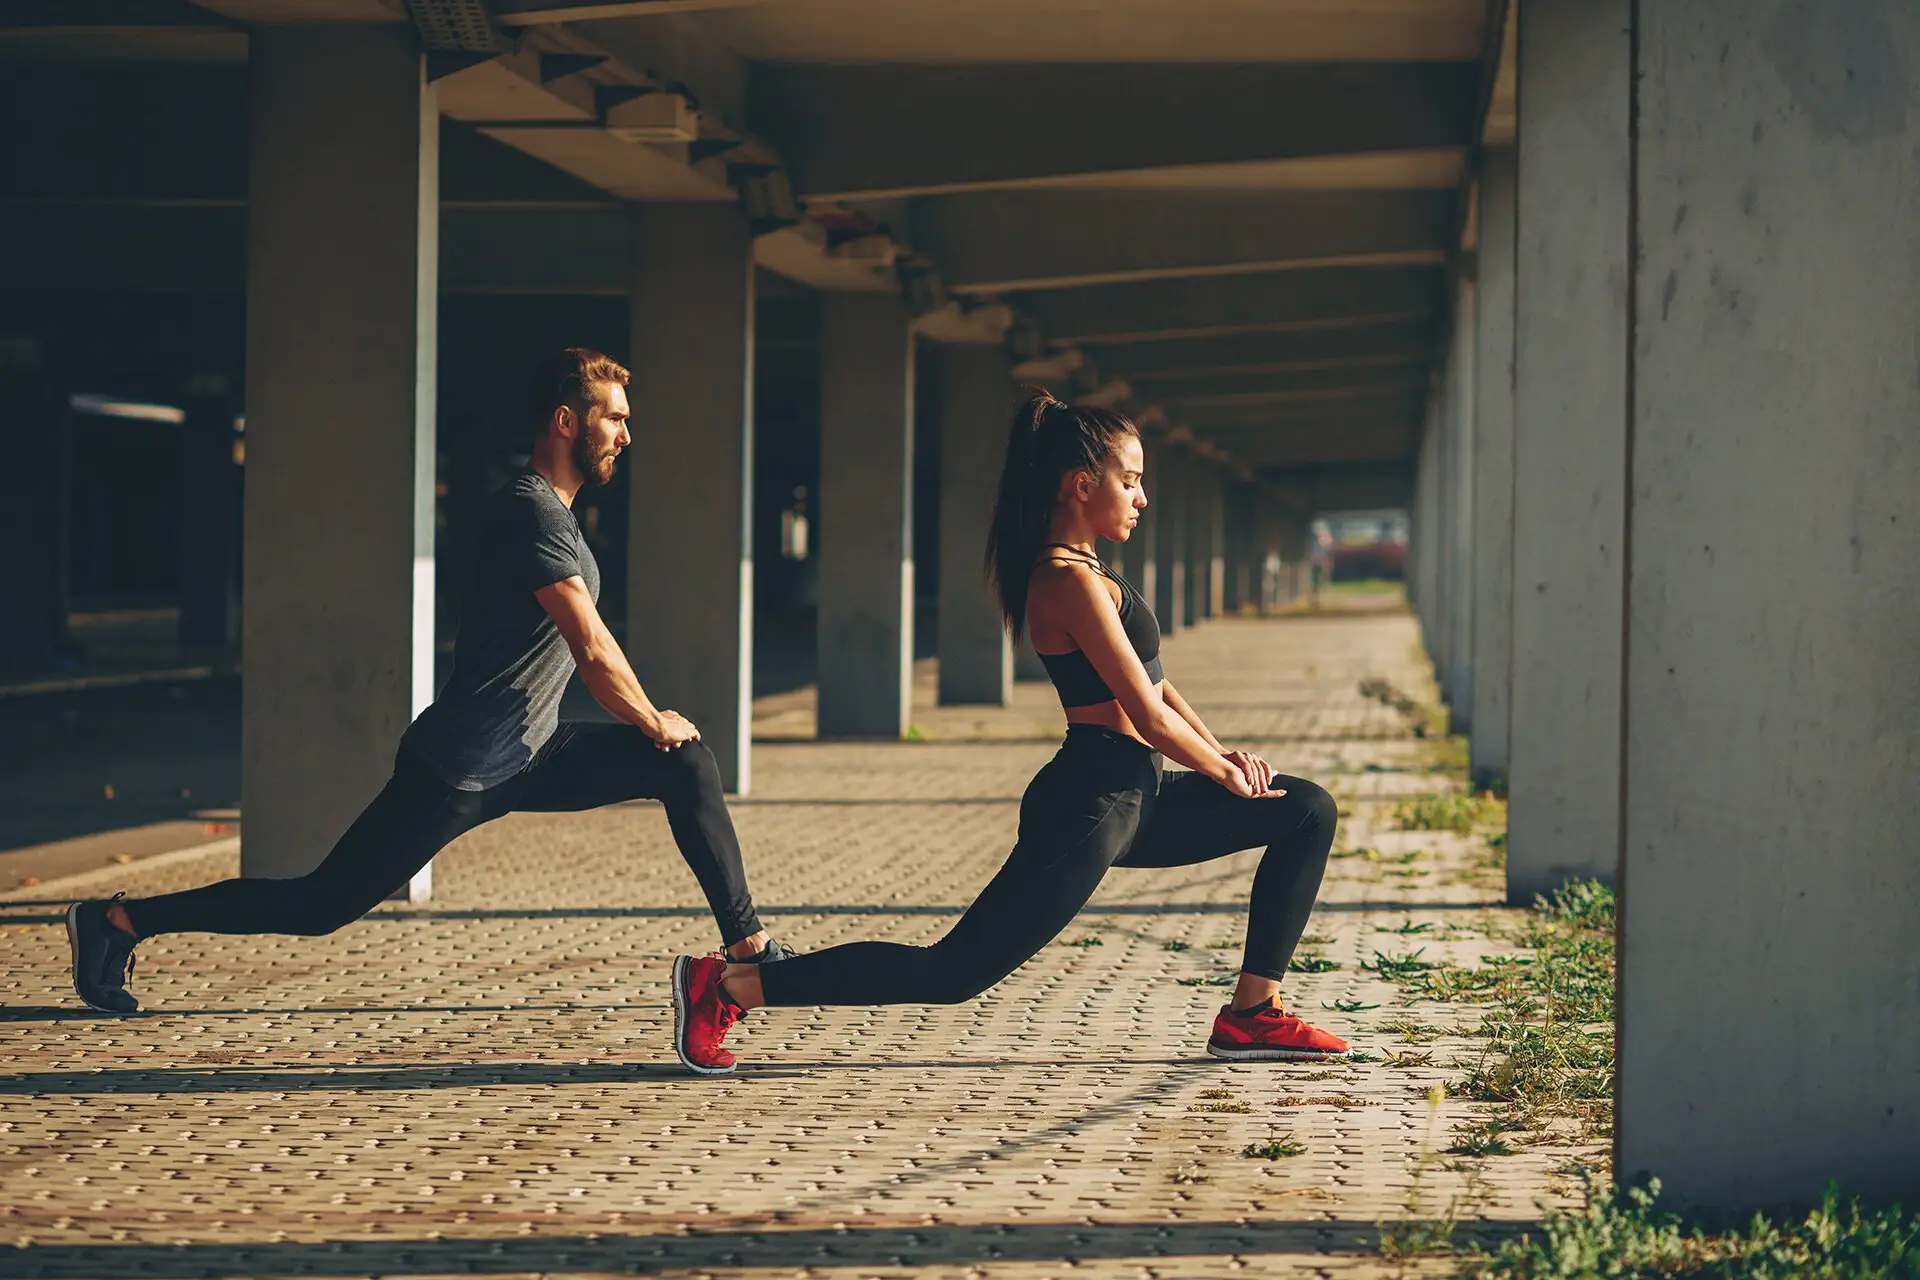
point(769, 954)
point(102, 957)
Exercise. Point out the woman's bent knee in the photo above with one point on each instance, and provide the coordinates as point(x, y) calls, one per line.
point(1320, 812)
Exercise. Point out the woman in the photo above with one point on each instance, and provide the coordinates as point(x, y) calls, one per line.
point(1073, 476)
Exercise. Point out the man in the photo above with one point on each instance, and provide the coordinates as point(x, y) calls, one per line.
point(492, 743)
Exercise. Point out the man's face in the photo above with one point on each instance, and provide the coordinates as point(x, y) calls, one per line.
point(603, 434)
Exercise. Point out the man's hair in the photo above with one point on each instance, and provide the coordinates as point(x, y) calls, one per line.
point(567, 378)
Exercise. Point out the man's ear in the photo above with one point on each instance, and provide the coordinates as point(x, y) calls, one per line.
point(562, 420)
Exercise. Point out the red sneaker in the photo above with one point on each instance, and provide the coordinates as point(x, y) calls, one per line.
point(1269, 1032)
point(702, 1014)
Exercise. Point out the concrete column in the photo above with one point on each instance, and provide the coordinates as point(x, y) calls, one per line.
point(1493, 472)
point(1460, 541)
point(1237, 549)
point(1138, 564)
point(210, 495)
point(1768, 1037)
point(1570, 365)
point(1170, 540)
point(1216, 541)
point(976, 659)
point(866, 516)
point(342, 282)
point(1295, 549)
point(1447, 502)
point(688, 535)
point(1431, 542)
point(1199, 501)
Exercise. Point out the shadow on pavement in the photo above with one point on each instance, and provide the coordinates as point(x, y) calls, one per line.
point(705, 1246)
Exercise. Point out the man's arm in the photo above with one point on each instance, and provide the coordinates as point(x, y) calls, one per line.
point(608, 674)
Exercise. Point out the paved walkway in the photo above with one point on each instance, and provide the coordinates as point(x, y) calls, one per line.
point(486, 1086)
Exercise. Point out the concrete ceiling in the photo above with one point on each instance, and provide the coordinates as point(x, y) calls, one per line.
point(1244, 210)
point(1065, 31)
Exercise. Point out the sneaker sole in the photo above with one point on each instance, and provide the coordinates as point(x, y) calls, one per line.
point(73, 951)
point(1271, 1053)
point(680, 1023)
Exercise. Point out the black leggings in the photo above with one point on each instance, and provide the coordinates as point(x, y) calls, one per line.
point(1099, 803)
point(583, 766)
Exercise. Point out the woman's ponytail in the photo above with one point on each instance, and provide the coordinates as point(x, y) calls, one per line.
point(1047, 438)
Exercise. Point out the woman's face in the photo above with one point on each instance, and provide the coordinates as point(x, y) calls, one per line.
point(1115, 497)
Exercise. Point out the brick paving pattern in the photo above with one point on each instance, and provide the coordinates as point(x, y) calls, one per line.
point(486, 1086)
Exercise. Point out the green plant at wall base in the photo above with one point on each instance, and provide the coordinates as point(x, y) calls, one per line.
point(1456, 811)
point(1620, 1233)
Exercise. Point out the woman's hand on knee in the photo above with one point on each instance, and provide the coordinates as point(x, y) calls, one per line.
point(1257, 772)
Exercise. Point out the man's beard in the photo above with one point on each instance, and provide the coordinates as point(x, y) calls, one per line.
point(594, 465)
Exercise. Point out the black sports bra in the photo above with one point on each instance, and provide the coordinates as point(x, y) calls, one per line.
point(1073, 676)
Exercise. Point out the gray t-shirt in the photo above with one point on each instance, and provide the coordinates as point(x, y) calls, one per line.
point(510, 663)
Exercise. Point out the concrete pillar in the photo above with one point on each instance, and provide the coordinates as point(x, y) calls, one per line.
point(1768, 1038)
point(1430, 543)
point(1137, 562)
point(1460, 541)
point(1570, 367)
point(342, 285)
point(1237, 548)
point(1199, 500)
point(1295, 550)
point(1170, 540)
point(1216, 541)
point(1493, 472)
point(976, 659)
point(866, 516)
point(210, 495)
point(688, 535)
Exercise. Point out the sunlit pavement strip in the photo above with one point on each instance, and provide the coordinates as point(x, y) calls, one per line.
point(486, 1085)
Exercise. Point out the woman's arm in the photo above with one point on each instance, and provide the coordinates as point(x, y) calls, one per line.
point(1256, 769)
point(1184, 709)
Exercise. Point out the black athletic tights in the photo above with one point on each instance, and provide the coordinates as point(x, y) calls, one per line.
point(416, 815)
point(1099, 803)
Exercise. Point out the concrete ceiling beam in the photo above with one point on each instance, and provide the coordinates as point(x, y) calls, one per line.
point(1407, 373)
point(1344, 486)
point(862, 130)
point(1010, 241)
point(1267, 351)
point(1297, 301)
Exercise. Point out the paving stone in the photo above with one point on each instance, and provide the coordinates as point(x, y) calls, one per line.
point(485, 1084)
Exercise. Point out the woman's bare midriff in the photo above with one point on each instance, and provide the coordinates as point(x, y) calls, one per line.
point(1108, 715)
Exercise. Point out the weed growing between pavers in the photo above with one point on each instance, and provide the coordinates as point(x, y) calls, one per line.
point(1420, 1231)
point(1274, 1148)
point(1547, 1045)
point(1620, 1233)
point(1456, 811)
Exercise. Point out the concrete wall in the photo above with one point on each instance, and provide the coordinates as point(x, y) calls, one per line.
point(338, 631)
point(1569, 442)
point(866, 516)
point(1768, 1031)
point(690, 547)
point(1493, 472)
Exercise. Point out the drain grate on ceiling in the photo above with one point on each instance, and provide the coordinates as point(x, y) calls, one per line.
point(456, 25)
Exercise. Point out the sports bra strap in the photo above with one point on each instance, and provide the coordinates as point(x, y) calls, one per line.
point(1081, 557)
